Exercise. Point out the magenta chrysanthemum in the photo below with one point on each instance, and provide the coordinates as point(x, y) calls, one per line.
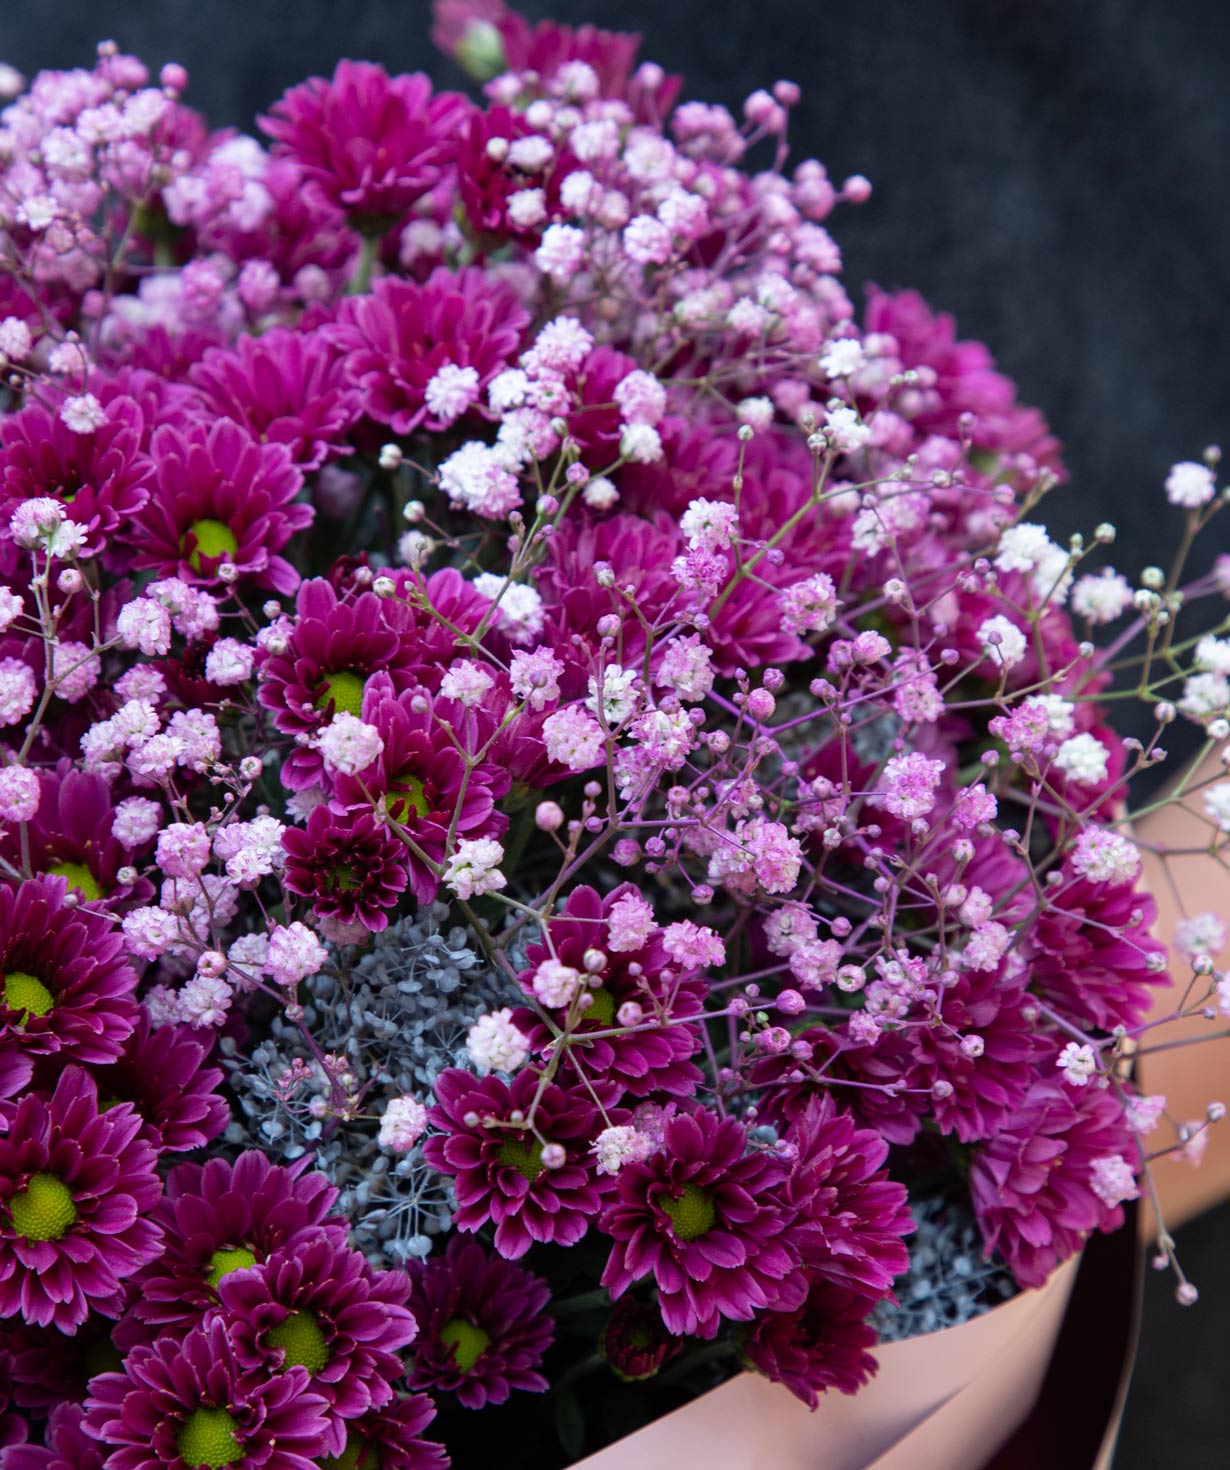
point(349, 866)
point(66, 990)
point(421, 780)
point(223, 499)
point(397, 339)
point(705, 1218)
point(67, 1447)
point(217, 1218)
point(320, 1306)
point(497, 1162)
point(76, 1190)
point(188, 1401)
point(102, 479)
point(391, 1438)
point(162, 1072)
point(652, 1057)
point(822, 1344)
point(1033, 1181)
point(285, 388)
point(483, 1326)
point(373, 143)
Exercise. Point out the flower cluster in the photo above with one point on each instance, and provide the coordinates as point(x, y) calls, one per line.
point(547, 746)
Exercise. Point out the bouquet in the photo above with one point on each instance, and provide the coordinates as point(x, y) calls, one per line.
point(560, 829)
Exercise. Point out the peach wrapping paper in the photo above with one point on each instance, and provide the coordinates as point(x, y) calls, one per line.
point(945, 1401)
point(1190, 1076)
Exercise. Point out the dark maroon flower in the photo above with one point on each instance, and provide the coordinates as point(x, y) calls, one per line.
point(76, 1189)
point(102, 479)
point(320, 1306)
point(399, 337)
point(66, 989)
point(162, 1073)
point(221, 498)
point(706, 1219)
point(1090, 951)
point(852, 1218)
point(497, 1164)
point(822, 1344)
point(217, 1218)
point(49, 1367)
point(420, 779)
point(634, 1341)
point(13, 1425)
point(483, 1325)
point(350, 866)
point(70, 837)
point(188, 1402)
point(373, 143)
point(390, 1439)
point(285, 388)
point(639, 1061)
point(68, 1447)
point(1032, 1181)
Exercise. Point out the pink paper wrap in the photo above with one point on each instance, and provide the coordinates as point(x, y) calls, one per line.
point(945, 1401)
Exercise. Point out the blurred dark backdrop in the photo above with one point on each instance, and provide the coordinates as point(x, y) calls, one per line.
point(1056, 172)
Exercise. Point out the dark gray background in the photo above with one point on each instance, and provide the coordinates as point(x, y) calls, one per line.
point(1057, 172)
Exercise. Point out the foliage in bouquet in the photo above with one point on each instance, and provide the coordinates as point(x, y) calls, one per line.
point(553, 783)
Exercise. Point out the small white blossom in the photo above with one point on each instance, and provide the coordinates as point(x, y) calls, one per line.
point(1002, 641)
point(1078, 1063)
point(403, 1124)
point(349, 745)
point(474, 869)
point(494, 1044)
point(1190, 485)
point(1083, 759)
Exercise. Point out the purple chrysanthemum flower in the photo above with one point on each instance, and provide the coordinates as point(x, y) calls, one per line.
point(350, 866)
point(320, 1306)
point(222, 497)
point(497, 1164)
point(65, 987)
point(641, 1061)
point(852, 1217)
point(707, 1220)
point(285, 388)
point(67, 1447)
point(822, 1344)
point(76, 1189)
point(399, 337)
point(217, 1218)
point(70, 837)
point(421, 774)
point(1091, 952)
point(334, 649)
point(1033, 1181)
point(483, 1325)
point(391, 1439)
point(102, 479)
point(162, 1073)
point(373, 143)
point(189, 1402)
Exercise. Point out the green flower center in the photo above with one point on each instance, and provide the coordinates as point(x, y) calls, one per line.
point(601, 1006)
point(208, 1438)
point(692, 1214)
point(213, 540)
point(223, 1262)
point(80, 878)
point(301, 1339)
point(468, 1342)
point(356, 1456)
point(44, 1209)
point(346, 879)
point(344, 690)
point(408, 797)
point(522, 1154)
point(27, 993)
